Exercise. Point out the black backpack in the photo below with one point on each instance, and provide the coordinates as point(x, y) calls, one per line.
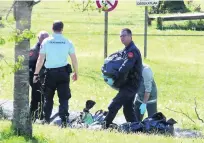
point(157, 123)
point(111, 66)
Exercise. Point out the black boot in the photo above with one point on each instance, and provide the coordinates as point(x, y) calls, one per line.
point(64, 121)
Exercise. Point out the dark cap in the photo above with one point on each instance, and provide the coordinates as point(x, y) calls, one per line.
point(57, 25)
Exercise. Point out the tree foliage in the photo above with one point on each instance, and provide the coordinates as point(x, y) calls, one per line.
point(15, 36)
point(87, 5)
point(169, 7)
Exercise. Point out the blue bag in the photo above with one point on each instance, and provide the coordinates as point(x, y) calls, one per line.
point(157, 123)
point(110, 70)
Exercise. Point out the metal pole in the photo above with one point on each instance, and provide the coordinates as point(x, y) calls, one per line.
point(106, 35)
point(145, 32)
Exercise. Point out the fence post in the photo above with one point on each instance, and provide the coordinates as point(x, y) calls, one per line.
point(159, 22)
point(145, 32)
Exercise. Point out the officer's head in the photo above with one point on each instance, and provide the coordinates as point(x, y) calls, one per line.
point(57, 26)
point(42, 35)
point(126, 36)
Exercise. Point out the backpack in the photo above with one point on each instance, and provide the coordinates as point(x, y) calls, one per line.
point(110, 68)
point(99, 116)
point(157, 123)
point(86, 118)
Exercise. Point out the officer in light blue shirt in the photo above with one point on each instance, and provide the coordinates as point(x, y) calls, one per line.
point(56, 49)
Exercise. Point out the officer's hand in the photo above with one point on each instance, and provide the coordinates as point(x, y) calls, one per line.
point(35, 79)
point(74, 77)
point(143, 108)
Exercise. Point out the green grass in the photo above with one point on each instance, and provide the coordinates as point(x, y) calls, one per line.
point(53, 134)
point(177, 61)
point(197, 25)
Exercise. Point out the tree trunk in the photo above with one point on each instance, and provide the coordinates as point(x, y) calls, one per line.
point(21, 123)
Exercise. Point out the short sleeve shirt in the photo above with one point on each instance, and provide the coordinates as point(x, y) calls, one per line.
point(56, 49)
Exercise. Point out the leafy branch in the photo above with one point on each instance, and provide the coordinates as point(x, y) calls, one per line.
point(18, 65)
point(17, 36)
point(2, 41)
point(84, 5)
point(88, 5)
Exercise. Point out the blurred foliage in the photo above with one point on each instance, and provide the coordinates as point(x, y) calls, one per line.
point(87, 5)
point(175, 7)
point(5, 63)
point(17, 36)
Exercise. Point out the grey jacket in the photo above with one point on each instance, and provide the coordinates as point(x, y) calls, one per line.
point(147, 85)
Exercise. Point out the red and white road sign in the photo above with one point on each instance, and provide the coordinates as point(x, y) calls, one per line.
point(110, 4)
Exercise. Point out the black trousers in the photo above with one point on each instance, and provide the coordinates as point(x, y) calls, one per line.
point(125, 98)
point(37, 98)
point(151, 109)
point(57, 79)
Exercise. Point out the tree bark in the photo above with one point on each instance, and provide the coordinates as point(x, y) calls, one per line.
point(21, 123)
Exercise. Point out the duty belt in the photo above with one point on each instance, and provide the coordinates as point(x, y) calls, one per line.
point(60, 69)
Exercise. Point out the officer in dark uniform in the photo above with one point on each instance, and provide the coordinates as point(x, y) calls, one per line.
point(37, 98)
point(133, 66)
point(56, 50)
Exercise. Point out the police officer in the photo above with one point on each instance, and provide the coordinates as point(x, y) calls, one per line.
point(37, 97)
point(146, 98)
point(56, 49)
point(133, 66)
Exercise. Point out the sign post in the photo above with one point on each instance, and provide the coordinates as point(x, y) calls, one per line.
point(145, 32)
point(106, 6)
point(146, 3)
point(106, 35)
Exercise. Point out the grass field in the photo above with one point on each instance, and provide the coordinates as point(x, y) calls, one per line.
point(177, 62)
point(54, 134)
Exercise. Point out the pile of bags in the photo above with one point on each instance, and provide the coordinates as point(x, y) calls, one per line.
point(157, 123)
point(86, 119)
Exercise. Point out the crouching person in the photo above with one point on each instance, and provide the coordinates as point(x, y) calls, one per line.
point(146, 98)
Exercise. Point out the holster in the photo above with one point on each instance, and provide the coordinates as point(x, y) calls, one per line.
point(69, 68)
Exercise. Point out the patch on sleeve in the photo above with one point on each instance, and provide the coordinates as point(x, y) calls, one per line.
point(130, 54)
point(31, 53)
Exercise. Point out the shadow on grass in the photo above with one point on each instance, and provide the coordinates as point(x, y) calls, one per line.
point(8, 134)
